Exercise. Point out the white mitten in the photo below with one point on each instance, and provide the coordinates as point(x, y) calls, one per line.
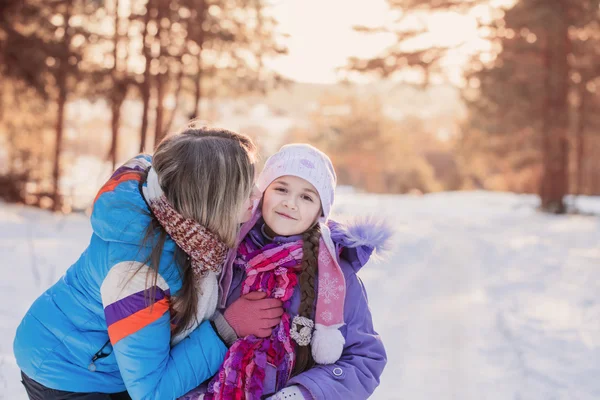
point(289, 393)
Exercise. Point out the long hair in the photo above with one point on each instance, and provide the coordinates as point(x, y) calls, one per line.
point(206, 174)
point(310, 251)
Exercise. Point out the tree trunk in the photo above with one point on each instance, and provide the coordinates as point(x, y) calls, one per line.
point(555, 183)
point(160, 109)
point(145, 86)
point(160, 77)
point(197, 87)
point(201, 16)
point(116, 94)
point(169, 124)
point(61, 82)
point(114, 125)
point(580, 150)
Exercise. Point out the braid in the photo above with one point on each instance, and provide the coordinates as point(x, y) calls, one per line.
point(310, 250)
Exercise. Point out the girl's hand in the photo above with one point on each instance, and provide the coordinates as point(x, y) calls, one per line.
point(290, 393)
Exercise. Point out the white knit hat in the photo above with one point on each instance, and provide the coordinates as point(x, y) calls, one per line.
point(306, 162)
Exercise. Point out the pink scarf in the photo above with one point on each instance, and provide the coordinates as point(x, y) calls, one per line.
point(274, 270)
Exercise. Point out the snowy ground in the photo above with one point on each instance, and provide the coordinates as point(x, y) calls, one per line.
point(482, 297)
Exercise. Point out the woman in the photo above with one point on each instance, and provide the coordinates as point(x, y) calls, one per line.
point(131, 315)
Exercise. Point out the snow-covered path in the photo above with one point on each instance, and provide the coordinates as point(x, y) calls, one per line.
point(481, 297)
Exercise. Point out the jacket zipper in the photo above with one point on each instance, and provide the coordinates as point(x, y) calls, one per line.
point(99, 354)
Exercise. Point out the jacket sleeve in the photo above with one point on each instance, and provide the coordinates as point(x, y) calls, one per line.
point(356, 374)
point(141, 335)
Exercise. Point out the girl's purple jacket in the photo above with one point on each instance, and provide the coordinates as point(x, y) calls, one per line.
point(356, 374)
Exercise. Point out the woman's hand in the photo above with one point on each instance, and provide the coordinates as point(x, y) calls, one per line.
point(253, 314)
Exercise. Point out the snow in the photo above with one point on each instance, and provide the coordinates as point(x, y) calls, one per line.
point(481, 296)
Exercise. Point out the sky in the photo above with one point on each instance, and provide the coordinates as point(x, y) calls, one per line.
point(322, 36)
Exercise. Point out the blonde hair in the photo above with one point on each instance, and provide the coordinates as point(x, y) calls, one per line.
point(207, 174)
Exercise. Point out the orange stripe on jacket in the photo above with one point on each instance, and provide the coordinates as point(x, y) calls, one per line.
point(137, 321)
point(114, 182)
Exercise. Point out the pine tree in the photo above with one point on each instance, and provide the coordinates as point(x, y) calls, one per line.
point(524, 94)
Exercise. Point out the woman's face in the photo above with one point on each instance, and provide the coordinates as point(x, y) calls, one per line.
point(246, 211)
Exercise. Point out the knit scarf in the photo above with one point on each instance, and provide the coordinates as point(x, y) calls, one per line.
point(205, 249)
point(272, 269)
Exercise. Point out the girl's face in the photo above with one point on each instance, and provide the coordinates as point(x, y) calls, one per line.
point(290, 206)
point(246, 211)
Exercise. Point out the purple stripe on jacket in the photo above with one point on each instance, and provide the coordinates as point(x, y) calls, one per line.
point(131, 304)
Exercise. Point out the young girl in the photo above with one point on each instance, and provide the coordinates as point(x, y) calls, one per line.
point(116, 320)
point(325, 346)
